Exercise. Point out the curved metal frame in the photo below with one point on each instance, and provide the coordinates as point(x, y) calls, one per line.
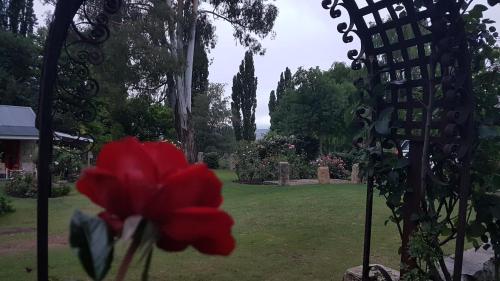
point(442, 64)
point(86, 45)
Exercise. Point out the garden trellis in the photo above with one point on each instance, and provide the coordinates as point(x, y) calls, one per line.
point(419, 85)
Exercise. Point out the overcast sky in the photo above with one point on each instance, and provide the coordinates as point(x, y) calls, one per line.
point(305, 36)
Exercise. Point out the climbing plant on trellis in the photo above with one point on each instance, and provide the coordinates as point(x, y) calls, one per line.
point(418, 89)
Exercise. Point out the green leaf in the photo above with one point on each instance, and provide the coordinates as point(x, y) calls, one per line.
point(93, 244)
point(402, 163)
point(446, 231)
point(379, 90)
point(382, 124)
point(476, 229)
point(476, 244)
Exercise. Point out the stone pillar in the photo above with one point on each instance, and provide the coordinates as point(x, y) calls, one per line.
point(232, 162)
point(355, 174)
point(200, 157)
point(324, 175)
point(90, 156)
point(284, 175)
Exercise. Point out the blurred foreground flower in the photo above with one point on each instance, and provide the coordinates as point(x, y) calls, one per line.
point(151, 195)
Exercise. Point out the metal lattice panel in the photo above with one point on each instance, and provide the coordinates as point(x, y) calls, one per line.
point(418, 63)
point(404, 46)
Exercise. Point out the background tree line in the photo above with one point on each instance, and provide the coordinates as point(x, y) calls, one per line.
point(154, 82)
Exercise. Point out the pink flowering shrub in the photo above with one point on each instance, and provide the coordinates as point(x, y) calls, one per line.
point(336, 165)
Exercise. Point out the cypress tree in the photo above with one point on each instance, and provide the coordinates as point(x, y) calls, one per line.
point(288, 79)
point(236, 106)
point(28, 19)
point(17, 16)
point(272, 102)
point(245, 99)
point(3, 15)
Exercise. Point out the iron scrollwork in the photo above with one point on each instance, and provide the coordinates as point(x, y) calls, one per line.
point(346, 29)
point(66, 87)
point(76, 88)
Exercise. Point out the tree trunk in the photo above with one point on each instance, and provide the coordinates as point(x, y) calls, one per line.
point(182, 101)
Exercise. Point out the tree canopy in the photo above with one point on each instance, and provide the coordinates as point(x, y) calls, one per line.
point(318, 104)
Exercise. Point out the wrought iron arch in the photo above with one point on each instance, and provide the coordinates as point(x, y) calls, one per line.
point(78, 34)
point(415, 77)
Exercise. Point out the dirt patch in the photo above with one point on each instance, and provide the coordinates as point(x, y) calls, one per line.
point(16, 230)
point(14, 247)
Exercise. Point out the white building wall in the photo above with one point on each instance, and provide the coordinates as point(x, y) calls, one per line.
point(27, 155)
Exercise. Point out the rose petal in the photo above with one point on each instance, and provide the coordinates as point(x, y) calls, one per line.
point(166, 157)
point(195, 186)
point(105, 190)
point(207, 229)
point(114, 223)
point(127, 160)
point(170, 245)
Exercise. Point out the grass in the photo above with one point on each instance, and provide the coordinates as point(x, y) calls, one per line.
point(283, 233)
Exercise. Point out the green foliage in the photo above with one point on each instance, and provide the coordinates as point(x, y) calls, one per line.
point(145, 119)
point(258, 161)
point(284, 84)
point(5, 206)
point(253, 17)
point(60, 189)
point(24, 185)
point(244, 100)
point(17, 16)
point(211, 118)
point(272, 102)
point(250, 168)
point(67, 163)
point(319, 104)
point(93, 244)
point(18, 70)
point(212, 160)
point(276, 144)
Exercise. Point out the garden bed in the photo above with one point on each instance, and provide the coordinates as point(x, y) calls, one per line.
point(309, 182)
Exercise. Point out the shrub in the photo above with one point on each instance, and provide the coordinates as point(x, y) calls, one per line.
point(248, 163)
point(5, 205)
point(258, 161)
point(335, 164)
point(25, 186)
point(211, 159)
point(274, 144)
point(225, 161)
point(60, 189)
point(67, 164)
point(21, 185)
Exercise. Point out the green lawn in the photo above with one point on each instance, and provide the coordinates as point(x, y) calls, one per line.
point(283, 233)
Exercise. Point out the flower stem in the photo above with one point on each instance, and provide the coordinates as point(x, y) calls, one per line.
point(128, 258)
point(147, 265)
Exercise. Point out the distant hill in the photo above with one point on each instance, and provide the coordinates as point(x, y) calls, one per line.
point(260, 133)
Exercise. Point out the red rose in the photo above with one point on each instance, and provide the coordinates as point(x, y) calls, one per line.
point(155, 181)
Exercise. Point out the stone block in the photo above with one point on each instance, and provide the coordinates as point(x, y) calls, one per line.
point(355, 274)
point(324, 175)
point(284, 174)
point(232, 162)
point(356, 174)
